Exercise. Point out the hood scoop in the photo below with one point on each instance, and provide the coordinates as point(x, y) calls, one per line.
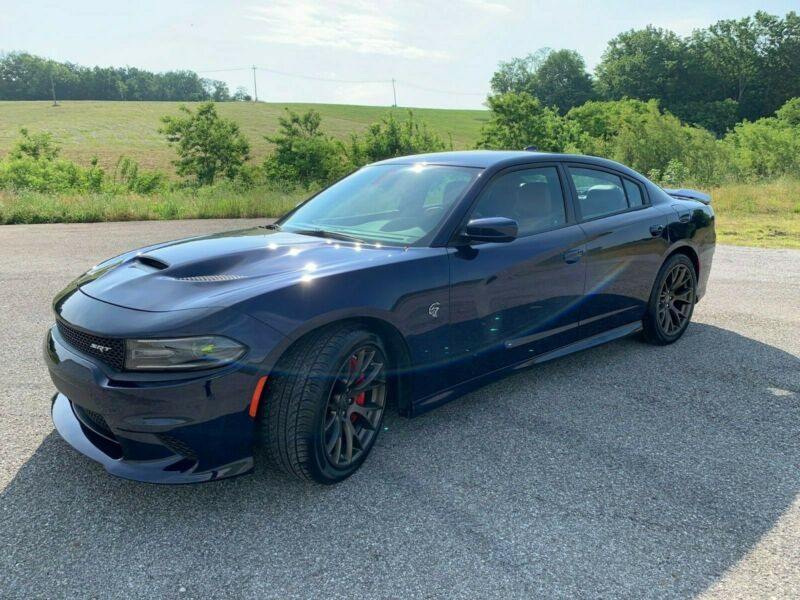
point(151, 261)
point(210, 278)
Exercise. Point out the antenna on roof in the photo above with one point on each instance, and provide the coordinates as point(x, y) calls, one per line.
point(531, 149)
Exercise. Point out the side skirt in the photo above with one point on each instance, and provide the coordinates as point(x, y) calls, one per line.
point(470, 385)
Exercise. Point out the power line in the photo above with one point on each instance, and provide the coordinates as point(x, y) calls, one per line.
point(315, 78)
point(393, 81)
point(449, 92)
point(224, 70)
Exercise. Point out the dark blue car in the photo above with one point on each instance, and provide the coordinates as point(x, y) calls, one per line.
point(404, 285)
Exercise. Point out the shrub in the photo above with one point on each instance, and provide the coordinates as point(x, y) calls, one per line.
point(131, 178)
point(208, 146)
point(53, 176)
point(390, 138)
point(37, 145)
point(303, 154)
point(768, 147)
point(639, 135)
point(520, 120)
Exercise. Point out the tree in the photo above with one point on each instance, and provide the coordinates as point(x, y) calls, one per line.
point(556, 78)
point(207, 145)
point(218, 90)
point(754, 60)
point(24, 76)
point(242, 95)
point(562, 81)
point(520, 120)
point(518, 74)
point(303, 153)
point(733, 69)
point(644, 64)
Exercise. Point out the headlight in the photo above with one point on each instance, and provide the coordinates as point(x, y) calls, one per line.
point(182, 353)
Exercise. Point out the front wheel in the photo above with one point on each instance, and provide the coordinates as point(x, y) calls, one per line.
point(325, 404)
point(671, 302)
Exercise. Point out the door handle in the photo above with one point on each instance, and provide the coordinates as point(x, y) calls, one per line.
point(573, 256)
point(656, 230)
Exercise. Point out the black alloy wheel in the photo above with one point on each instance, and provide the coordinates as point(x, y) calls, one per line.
point(675, 299)
point(672, 301)
point(355, 406)
point(323, 405)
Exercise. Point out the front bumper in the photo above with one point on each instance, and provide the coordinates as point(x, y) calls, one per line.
point(171, 468)
point(159, 427)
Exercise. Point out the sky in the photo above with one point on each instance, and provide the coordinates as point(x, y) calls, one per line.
point(441, 54)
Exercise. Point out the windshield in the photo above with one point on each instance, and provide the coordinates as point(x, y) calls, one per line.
point(394, 204)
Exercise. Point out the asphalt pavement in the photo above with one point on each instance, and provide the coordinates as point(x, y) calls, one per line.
point(623, 471)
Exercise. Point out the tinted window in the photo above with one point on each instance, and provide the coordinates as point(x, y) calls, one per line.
point(599, 193)
point(532, 197)
point(634, 193)
point(400, 204)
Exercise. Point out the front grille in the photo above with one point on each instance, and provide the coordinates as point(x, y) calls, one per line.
point(110, 350)
point(176, 445)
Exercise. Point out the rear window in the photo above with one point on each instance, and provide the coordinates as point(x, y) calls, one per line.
point(599, 193)
point(634, 193)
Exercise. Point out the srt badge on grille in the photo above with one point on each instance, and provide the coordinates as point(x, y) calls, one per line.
point(99, 348)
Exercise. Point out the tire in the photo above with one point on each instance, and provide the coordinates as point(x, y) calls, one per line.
point(672, 301)
point(330, 383)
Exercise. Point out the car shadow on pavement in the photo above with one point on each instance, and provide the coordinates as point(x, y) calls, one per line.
point(627, 470)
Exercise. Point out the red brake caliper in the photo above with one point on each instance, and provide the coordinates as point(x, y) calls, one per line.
point(361, 397)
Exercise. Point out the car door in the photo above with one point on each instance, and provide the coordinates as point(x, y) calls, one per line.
point(511, 301)
point(625, 241)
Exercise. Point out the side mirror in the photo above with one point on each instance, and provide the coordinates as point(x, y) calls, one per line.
point(491, 229)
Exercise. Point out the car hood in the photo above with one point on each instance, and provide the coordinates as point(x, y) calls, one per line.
point(216, 270)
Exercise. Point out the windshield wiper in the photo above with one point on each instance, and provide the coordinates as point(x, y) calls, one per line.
point(324, 233)
point(273, 226)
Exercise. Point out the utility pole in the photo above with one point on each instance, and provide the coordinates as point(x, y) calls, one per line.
point(394, 94)
point(53, 89)
point(255, 85)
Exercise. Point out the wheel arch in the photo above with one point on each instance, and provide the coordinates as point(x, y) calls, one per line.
point(396, 346)
point(690, 253)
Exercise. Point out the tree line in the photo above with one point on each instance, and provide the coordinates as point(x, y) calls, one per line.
point(24, 76)
point(733, 70)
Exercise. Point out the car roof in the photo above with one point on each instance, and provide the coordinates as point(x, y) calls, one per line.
point(497, 159)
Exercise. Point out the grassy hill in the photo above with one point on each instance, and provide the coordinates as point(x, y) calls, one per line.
point(110, 129)
point(759, 214)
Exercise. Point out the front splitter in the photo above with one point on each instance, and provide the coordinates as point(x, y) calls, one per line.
point(153, 471)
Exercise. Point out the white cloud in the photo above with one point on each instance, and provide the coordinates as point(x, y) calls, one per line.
point(352, 25)
point(497, 8)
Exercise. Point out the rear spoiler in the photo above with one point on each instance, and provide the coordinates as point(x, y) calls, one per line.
point(686, 194)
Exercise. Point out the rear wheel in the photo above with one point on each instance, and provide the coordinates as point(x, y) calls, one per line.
point(325, 404)
point(671, 302)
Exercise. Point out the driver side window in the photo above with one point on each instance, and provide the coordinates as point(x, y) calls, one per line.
point(531, 197)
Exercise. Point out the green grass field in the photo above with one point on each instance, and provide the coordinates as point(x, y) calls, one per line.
point(110, 129)
point(762, 214)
